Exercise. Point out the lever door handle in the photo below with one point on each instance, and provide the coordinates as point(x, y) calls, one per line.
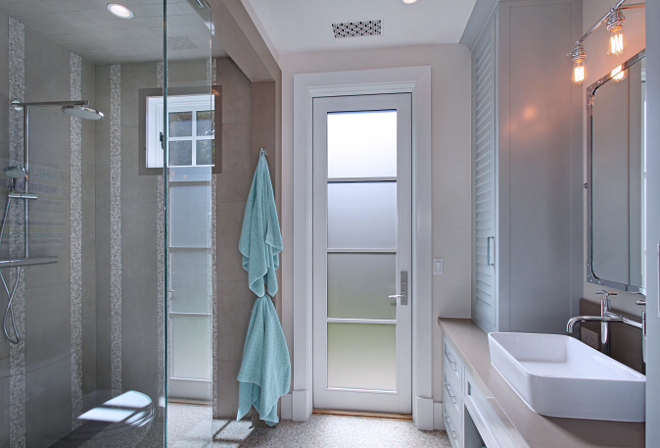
point(397, 296)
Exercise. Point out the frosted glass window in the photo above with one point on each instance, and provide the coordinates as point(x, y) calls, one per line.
point(362, 215)
point(190, 215)
point(181, 124)
point(362, 144)
point(191, 347)
point(191, 281)
point(359, 285)
point(362, 356)
point(181, 152)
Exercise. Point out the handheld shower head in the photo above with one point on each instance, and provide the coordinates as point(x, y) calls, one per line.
point(82, 112)
point(16, 172)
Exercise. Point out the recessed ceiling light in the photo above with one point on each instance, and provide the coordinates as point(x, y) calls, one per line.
point(409, 1)
point(120, 10)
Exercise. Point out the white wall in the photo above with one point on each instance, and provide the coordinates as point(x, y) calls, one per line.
point(599, 64)
point(451, 90)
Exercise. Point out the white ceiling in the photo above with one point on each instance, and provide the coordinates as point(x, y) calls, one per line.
point(87, 28)
point(299, 26)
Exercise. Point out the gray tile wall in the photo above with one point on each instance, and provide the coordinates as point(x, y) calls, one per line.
point(4, 156)
point(248, 115)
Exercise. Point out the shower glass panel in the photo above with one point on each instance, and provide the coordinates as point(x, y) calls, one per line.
point(106, 244)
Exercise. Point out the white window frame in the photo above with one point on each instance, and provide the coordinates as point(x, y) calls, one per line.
point(155, 126)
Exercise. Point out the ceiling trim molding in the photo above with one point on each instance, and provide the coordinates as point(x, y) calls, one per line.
point(475, 25)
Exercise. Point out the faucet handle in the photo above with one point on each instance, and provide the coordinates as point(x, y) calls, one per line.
point(606, 294)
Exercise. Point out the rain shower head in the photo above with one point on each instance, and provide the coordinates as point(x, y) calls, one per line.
point(82, 112)
point(15, 172)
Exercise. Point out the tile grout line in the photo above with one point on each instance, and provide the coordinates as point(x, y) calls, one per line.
point(115, 232)
point(17, 390)
point(75, 131)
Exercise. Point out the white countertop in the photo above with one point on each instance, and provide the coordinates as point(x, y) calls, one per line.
point(471, 343)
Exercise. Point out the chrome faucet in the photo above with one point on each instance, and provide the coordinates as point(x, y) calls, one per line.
point(607, 316)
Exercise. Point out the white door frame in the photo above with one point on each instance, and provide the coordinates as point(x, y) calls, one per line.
point(415, 80)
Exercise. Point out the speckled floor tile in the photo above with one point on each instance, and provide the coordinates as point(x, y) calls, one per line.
point(325, 431)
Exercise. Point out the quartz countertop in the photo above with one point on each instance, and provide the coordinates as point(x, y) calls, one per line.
point(523, 424)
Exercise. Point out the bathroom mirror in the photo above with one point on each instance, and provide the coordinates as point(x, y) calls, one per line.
point(616, 177)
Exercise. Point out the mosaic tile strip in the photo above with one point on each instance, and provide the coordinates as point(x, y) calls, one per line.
point(115, 231)
point(160, 269)
point(75, 134)
point(214, 285)
point(212, 71)
point(17, 391)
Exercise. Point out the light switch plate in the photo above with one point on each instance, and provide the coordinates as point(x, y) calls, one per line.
point(438, 266)
point(590, 338)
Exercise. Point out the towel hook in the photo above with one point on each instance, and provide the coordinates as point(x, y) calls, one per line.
point(262, 152)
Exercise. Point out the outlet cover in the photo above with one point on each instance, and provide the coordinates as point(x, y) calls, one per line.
point(590, 338)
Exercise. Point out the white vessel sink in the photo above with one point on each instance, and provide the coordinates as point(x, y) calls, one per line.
point(559, 376)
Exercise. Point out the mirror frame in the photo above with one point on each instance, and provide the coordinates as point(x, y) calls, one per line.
point(591, 275)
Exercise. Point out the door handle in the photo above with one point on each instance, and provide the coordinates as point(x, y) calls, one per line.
point(404, 289)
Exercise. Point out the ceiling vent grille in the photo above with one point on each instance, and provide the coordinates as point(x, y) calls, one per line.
point(178, 43)
point(355, 29)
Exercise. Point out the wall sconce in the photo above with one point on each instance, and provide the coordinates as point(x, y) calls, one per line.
point(617, 43)
point(579, 69)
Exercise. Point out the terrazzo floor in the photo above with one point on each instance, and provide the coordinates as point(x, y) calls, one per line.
point(190, 427)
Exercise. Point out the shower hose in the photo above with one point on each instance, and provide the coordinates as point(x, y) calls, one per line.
point(9, 312)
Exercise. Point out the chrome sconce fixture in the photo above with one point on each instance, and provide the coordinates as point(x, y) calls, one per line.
point(616, 44)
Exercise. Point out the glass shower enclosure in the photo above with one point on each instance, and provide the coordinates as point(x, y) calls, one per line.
point(107, 242)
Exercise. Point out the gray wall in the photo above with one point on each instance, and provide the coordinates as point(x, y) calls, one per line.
point(653, 220)
point(248, 124)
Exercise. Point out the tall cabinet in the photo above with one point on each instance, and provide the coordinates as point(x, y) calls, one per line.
point(528, 268)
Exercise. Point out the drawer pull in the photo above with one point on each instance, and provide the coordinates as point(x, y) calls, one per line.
point(451, 361)
point(448, 387)
point(451, 428)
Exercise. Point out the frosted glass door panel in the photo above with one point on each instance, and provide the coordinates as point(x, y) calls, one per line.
point(191, 281)
point(190, 215)
point(191, 347)
point(359, 285)
point(362, 144)
point(362, 215)
point(362, 356)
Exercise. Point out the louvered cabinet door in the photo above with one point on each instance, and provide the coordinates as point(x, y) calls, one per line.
point(484, 300)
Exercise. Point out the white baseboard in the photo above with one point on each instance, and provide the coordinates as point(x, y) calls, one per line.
point(286, 408)
point(438, 421)
point(423, 413)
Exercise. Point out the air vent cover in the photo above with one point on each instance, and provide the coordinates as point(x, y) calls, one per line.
point(178, 43)
point(355, 29)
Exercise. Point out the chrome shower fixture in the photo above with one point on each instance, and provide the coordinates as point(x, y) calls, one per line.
point(82, 112)
point(76, 109)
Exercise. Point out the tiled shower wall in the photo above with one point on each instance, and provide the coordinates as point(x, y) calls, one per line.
point(36, 408)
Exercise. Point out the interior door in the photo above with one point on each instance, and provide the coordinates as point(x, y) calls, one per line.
point(362, 252)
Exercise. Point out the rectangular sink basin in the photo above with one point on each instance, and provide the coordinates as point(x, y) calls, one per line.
point(559, 376)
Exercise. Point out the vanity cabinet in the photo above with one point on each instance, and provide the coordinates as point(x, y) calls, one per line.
point(527, 168)
point(470, 421)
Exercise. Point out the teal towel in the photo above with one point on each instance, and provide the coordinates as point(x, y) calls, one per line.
point(261, 241)
point(265, 370)
point(265, 373)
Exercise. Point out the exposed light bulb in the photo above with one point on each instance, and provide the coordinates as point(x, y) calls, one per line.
point(579, 71)
point(120, 10)
point(618, 74)
point(617, 43)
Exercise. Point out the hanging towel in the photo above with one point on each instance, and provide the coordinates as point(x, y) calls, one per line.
point(261, 241)
point(265, 370)
point(265, 373)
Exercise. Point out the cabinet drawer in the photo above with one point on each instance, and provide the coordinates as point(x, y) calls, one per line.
point(452, 430)
point(452, 399)
point(452, 363)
